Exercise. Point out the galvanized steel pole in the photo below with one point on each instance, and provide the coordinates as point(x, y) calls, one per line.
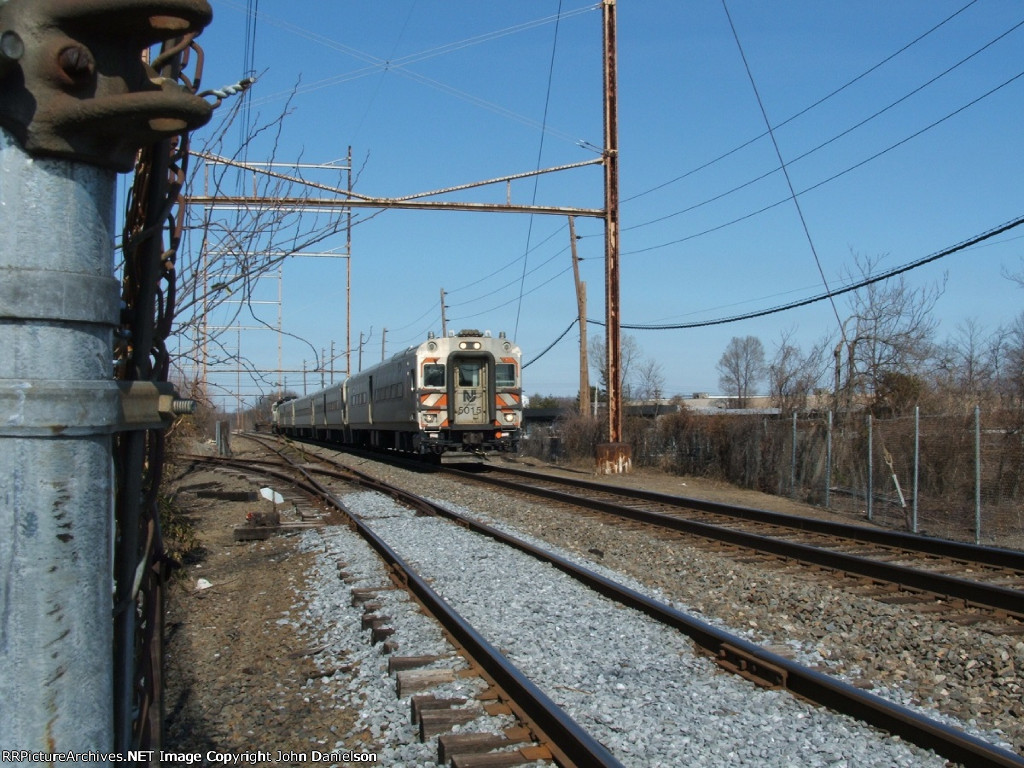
point(76, 104)
point(59, 304)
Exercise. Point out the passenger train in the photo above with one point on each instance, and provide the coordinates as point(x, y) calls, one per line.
point(460, 392)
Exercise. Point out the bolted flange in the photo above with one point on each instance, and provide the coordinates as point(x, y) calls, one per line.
point(73, 83)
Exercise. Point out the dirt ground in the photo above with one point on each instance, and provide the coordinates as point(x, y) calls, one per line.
point(238, 678)
point(693, 487)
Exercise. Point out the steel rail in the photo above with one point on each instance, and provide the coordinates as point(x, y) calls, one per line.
point(810, 684)
point(736, 653)
point(988, 595)
point(570, 744)
point(994, 556)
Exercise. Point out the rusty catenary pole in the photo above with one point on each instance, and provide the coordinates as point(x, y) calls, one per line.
point(613, 457)
point(611, 208)
point(67, 126)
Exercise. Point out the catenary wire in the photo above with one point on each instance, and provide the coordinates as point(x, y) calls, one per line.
point(831, 140)
point(806, 109)
point(376, 64)
point(785, 170)
point(536, 179)
point(834, 176)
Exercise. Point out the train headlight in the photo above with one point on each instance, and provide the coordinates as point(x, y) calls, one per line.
point(510, 417)
point(429, 418)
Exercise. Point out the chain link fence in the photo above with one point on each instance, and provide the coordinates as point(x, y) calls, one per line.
point(958, 477)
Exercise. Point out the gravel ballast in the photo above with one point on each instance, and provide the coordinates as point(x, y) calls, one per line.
point(635, 685)
point(629, 700)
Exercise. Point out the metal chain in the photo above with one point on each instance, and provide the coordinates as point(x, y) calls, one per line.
point(155, 211)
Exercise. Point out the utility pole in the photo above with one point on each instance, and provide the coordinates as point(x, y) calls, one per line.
point(613, 457)
point(383, 340)
point(444, 320)
point(581, 306)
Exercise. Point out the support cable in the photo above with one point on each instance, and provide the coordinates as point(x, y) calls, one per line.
point(785, 170)
point(551, 346)
point(808, 108)
point(536, 179)
point(839, 291)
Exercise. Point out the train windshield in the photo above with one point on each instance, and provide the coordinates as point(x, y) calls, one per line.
point(504, 375)
point(469, 374)
point(433, 375)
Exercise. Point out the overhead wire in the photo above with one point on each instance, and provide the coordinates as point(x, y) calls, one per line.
point(782, 163)
point(809, 107)
point(510, 264)
point(834, 138)
point(527, 293)
point(834, 176)
point(376, 92)
point(536, 179)
point(489, 296)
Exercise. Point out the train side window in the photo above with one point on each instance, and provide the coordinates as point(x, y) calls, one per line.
point(433, 375)
point(504, 375)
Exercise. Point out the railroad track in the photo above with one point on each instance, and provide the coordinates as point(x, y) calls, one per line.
point(548, 731)
point(731, 652)
point(969, 583)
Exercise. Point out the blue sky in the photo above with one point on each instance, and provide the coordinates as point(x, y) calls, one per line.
point(436, 94)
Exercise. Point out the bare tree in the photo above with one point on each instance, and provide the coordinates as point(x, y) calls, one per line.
point(1017, 277)
point(964, 365)
point(890, 330)
point(741, 367)
point(650, 380)
point(630, 356)
point(230, 250)
point(792, 375)
point(1011, 377)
